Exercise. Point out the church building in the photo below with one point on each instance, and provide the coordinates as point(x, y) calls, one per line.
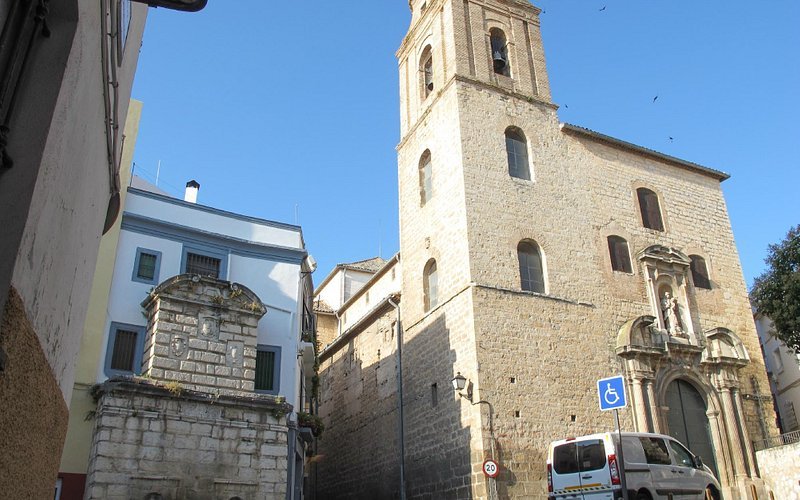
point(536, 257)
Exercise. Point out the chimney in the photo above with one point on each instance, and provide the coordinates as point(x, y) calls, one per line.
point(192, 187)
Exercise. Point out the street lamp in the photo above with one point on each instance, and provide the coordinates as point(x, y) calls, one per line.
point(459, 384)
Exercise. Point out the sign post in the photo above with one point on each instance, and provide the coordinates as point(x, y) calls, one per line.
point(611, 391)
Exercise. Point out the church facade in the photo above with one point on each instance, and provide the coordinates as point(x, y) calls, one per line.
point(537, 257)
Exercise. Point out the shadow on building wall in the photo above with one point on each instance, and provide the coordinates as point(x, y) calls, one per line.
point(358, 455)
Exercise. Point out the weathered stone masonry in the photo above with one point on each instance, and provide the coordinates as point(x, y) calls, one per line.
point(192, 427)
point(185, 444)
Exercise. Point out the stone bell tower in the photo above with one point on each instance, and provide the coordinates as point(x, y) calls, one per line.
point(472, 75)
point(537, 257)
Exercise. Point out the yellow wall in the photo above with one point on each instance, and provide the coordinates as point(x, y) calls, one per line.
point(75, 457)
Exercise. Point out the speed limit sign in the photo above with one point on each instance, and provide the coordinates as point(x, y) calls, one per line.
point(490, 468)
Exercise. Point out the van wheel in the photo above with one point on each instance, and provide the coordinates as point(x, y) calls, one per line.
point(642, 495)
point(711, 493)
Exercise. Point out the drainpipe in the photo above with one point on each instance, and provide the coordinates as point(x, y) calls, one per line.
point(400, 433)
point(338, 324)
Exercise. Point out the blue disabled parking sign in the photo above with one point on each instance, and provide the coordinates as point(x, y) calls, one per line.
point(612, 393)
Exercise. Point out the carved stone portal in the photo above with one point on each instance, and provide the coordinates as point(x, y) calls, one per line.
point(666, 273)
point(653, 358)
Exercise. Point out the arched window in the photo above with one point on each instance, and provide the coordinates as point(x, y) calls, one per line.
point(500, 62)
point(699, 272)
point(426, 72)
point(651, 212)
point(430, 284)
point(620, 257)
point(425, 177)
point(517, 150)
point(531, 271)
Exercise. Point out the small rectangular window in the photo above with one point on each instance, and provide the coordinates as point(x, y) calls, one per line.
point(202, 265)
point(124, 352)
point(146, 266)
point(268, 361)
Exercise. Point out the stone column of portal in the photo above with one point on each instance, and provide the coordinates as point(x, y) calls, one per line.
point(655, 411)
point(748, 446)
point(640, 409)
point(724, 465)
point(731, 425)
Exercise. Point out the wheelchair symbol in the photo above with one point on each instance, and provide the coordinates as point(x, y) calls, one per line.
point(610, 395)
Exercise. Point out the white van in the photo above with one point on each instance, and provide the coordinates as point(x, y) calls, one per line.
point(656, 467)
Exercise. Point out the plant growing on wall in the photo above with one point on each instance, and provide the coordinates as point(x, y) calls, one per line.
point(310, 421)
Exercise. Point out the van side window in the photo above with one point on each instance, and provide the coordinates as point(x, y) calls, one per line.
point(682, 455)
point(655, 450)
point(634, 454)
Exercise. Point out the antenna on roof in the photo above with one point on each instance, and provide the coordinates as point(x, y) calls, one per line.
point(158, 171)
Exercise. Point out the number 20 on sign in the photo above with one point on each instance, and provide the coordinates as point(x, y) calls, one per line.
point(490, 468)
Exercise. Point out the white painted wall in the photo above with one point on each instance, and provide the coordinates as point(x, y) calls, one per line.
point(276, 283)
point(214, 222)
point(784, 366)
point(331, 291)
point(56, 257)
point(342, 284)
point(371, 295)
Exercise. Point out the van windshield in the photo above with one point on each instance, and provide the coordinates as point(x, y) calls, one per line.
point(582, 456)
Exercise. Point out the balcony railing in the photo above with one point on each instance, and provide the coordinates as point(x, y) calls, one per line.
point(775, 441)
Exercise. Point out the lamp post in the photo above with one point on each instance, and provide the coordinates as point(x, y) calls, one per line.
point(459, 384)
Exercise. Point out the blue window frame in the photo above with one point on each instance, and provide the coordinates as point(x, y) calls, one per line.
point(268, 369)
point(146, 267)
point(125, 348)
point(205, 261)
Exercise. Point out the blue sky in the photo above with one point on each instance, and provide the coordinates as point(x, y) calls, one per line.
point(292, 114)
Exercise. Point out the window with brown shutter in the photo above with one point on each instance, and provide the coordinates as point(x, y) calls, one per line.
point(650, 209)
point(699, 272)
point(620, 257)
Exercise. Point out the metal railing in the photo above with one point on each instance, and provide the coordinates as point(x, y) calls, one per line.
point(775, 441)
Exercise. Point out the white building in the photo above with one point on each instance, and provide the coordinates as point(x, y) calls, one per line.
point(351, 292)
point(783, 367)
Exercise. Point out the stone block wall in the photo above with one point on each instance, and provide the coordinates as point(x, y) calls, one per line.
point(360, 409)
point(780, 469)
point(358, 404)
point(202, 333)
point(186, 445)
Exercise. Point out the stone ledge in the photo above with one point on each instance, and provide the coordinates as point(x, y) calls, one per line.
point(147, 387)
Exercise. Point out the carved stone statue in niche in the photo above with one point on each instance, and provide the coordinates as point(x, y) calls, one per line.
point(670, 311)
